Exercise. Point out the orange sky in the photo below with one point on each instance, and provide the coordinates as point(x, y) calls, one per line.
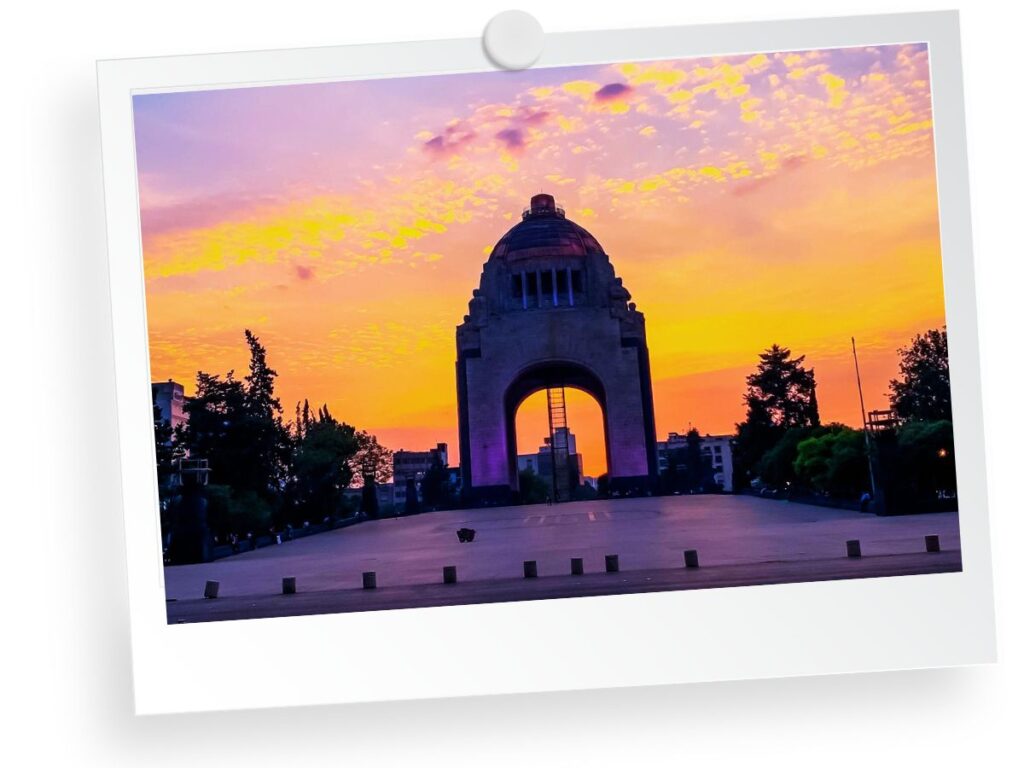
point(744, 200)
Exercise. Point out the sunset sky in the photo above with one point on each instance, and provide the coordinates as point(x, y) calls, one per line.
point(744, 200)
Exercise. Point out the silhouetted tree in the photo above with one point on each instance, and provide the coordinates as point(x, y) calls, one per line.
point(922, 392)
point(322, 467)
point(372, 459)
point(236, 425)
point(781, 395)
point(436, 485)
point(698, 470)
point(926, 457)
point(533, 489)
point(369, 505)
point(165, 447)
point(259, 389)
point(673, 478)
point(412, 498)
point(270, 443)
point(782, 392)
point(218, 428)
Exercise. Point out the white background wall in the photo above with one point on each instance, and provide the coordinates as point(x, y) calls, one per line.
point(66, 687)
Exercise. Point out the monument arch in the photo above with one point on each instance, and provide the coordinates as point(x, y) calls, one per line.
point(550, 313)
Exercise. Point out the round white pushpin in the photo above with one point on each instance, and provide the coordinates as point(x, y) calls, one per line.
point(513, 39)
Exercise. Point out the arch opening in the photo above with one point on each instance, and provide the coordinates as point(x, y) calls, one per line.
point(538, 404)
point(559, 461)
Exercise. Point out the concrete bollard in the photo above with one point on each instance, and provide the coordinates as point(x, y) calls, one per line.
point(690, 559)
point(369, 580)
point(853, 548)
point(931, 543)
point(611, 563)
point(288, 585)
point(212, 589)
point(576, 566)
point(449, 574)
point(529, 569)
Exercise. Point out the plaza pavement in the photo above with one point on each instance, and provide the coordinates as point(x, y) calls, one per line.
point(742, 539)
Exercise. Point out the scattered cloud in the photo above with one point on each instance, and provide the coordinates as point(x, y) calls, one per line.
point(612, 91)
point(450, 140)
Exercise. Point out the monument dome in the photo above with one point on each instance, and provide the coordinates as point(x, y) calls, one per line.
point(544, 231)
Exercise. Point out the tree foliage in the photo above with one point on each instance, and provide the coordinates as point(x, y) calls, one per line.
point(412, 497)
point(926, 456)
point(781, 392)
point(533, 489)
point(781, 395)
point(237, 426)
point(169, 448)
point(834, 463)
point(922, 391)
point(371, 461)
point(688, 470)
point(262, 470)
point(322, 464)
point(438, 492)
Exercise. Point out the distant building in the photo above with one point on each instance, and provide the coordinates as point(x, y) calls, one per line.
point(716, 448)
point(540, 462)
point(719, 449)
point(169, 397)
point(406, 465)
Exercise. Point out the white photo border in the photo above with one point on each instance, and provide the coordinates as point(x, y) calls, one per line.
point(624, 640)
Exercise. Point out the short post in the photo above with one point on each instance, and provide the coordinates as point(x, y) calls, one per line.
point(288, 585)
point(853, 548)
point(690, 558)
point(611, 563)
point(369, 579)
point(576, 566)
point(529, 569)
point(212, 588)
point(449, 574)
point(931, 543)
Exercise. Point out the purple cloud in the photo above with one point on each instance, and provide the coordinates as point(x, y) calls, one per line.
point(448, 141)
point(533, 115)
point(512, 138)
point(303, 273)
point(612, 91)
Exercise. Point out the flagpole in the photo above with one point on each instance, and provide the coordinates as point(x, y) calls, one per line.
point(864, 420)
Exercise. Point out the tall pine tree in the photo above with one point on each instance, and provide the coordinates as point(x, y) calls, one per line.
point(781, 395)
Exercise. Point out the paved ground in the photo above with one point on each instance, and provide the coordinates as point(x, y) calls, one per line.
point(647, 534)
point(587, 585)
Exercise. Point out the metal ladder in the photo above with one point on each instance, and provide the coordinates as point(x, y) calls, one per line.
point(559, 429)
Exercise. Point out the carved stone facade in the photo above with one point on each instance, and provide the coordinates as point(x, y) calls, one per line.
point(550, 312)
